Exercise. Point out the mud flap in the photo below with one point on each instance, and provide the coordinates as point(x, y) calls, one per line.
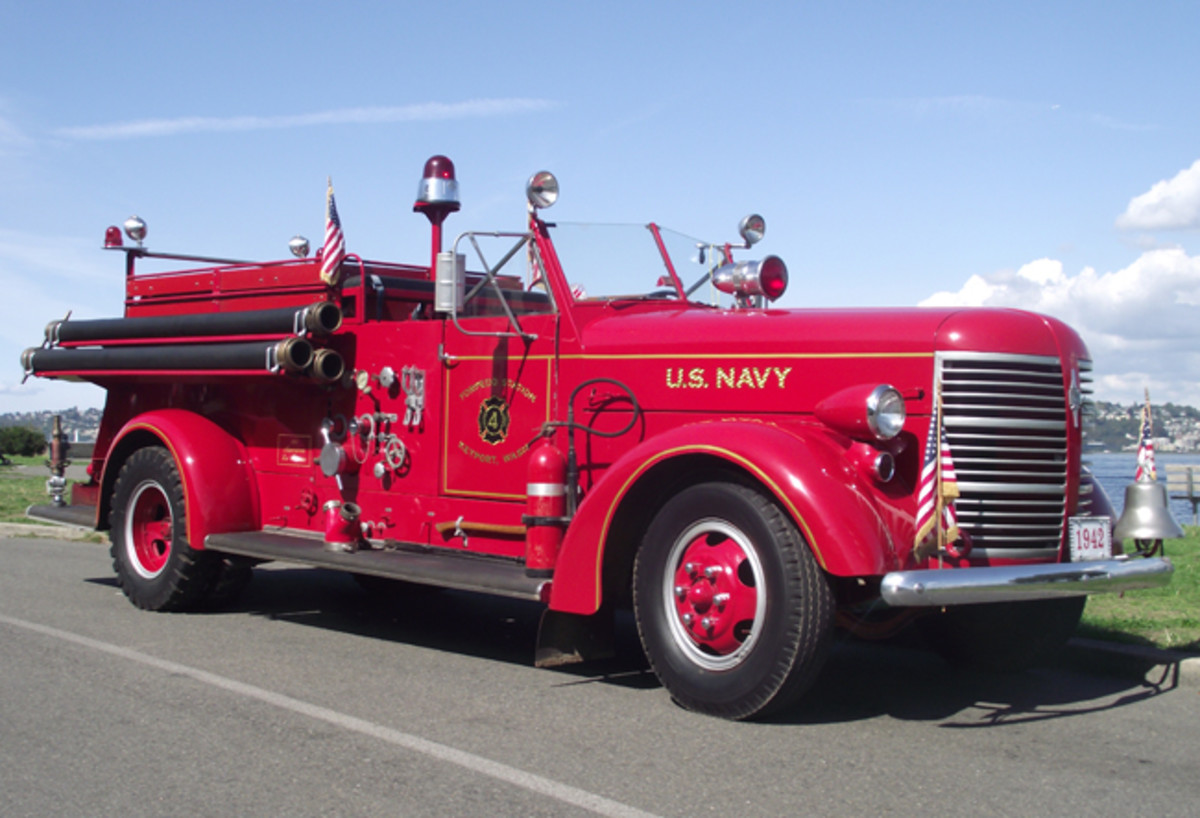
point(567, 639)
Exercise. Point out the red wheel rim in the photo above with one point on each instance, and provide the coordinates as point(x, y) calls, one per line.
point(148, 526)
point(715, 596)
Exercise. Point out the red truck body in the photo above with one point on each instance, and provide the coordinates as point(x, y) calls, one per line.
point(741, 475)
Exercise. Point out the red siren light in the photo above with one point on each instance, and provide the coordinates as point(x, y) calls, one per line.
point(112, 237)
point(773, 277)
point(439, 187)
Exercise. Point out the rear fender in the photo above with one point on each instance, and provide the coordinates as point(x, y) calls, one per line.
point(803, 470)
point(219, 490)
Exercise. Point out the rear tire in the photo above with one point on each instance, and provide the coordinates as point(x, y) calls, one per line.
point(734, 613)
point(1003, 636)
point(156, 567)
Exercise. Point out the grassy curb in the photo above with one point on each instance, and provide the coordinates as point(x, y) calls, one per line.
point(18, 492)
point(1158, 617)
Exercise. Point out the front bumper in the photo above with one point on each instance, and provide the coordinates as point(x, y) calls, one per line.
point(1015, 583)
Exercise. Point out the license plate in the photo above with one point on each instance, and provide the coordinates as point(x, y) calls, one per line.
point(1090, 538)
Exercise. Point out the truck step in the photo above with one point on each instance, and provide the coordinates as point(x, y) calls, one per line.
point(428, 566)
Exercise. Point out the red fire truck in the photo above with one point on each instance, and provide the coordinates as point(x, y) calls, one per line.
point(597, 417)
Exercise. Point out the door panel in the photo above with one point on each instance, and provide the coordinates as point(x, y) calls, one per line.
point(498, 394)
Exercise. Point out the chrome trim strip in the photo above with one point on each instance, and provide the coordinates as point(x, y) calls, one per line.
point(1008, 553)
point(956, 421)
point(1013, 488)
point(1013, 583)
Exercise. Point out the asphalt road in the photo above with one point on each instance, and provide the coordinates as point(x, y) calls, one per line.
point(311, 698)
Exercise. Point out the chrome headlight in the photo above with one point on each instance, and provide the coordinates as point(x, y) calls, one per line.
point(885, 412)
point(865, 412)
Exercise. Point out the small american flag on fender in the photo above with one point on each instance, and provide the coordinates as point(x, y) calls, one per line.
point(333, 252)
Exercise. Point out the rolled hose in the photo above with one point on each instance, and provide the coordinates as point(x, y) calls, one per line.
point(320, 318)
point(292, 355)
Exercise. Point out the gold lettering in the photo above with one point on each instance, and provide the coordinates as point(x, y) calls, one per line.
point(490, 459)
point(760, 378)
point(724, 377)
point(745, 378)
point(678, 382)
point(781, 375)
point(696, 378)
point(507, 383)
point(511, 456)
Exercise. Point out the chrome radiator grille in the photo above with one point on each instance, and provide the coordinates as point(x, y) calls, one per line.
point(1006, 420)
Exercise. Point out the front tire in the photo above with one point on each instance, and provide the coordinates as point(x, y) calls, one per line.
point(734, 613)
point(156, 567)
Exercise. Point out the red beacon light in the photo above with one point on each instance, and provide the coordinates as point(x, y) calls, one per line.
point(438, 190)
point(112, 237)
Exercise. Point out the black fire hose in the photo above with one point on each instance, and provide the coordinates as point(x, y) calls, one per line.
point(321, 318)
point(293, 355)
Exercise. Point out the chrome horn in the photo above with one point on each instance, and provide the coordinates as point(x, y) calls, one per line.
point(1147, 517)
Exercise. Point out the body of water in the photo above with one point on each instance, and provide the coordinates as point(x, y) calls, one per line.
point(1115, 472)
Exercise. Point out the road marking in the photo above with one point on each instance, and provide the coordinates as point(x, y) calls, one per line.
point(470, 761)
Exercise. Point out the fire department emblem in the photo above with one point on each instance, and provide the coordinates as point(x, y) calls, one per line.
point(493, 420)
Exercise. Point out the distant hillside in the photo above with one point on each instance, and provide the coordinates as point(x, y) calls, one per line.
point(1117, 427)
point(79, 424)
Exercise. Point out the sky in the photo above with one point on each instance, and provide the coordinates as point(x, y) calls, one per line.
point(1044, 155)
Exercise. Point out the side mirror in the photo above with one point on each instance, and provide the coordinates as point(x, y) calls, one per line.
point(450, 282)
point(752, 229)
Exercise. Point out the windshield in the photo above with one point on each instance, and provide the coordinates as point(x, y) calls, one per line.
point(606, 261)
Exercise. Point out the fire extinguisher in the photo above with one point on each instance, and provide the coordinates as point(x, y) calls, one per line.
point(545, 508)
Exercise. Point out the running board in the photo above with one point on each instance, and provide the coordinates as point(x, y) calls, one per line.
point(79, 516)
point(424, 565)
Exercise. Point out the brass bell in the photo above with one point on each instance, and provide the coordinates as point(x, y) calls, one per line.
point(1147, 514)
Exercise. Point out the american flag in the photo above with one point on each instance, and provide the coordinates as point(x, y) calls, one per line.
point(939, 486)
point(334, 250)
point(1145, 455)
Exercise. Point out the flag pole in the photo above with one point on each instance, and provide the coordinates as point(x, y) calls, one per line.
point(939, 507)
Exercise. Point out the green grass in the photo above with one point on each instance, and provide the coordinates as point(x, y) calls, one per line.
point(1162, 617)
point(18, 492)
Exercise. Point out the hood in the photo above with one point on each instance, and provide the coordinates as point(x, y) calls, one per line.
point(695, 330)
point(695, 358)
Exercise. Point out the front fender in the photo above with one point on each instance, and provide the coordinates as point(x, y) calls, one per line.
point(219, 490)
point(802, 469)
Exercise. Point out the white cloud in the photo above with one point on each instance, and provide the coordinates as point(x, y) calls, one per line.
point(425, 112)
point(1141, 323)
point(1170, 204)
